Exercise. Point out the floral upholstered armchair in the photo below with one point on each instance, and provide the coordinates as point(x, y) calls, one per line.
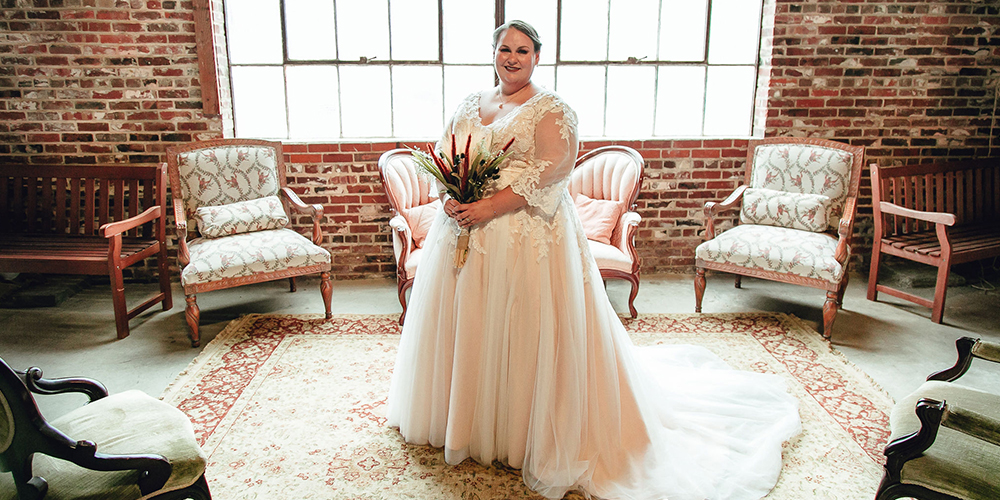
point(233, 193)
point(797, 210)
point(414, 199)
point(604, 186)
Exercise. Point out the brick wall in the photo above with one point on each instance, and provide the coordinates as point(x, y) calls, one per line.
point(116, 81)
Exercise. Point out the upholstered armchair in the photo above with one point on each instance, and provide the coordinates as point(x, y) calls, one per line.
point(232, 193)
point(123, 446)
point(945, 438)
point(414, 200)
point(796, 210)
point(604, 186)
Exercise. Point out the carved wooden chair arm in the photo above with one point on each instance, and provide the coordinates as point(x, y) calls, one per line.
point(314, 210)
point(628, 225)
point(402, 238)
point(968, 348)
point(713, 208)
point(32, 378)
point(180, 221)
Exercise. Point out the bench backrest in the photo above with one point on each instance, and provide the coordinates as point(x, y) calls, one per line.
point(78, 200)
point(969, 189)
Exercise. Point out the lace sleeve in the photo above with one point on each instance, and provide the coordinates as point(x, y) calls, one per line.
point(556, 147)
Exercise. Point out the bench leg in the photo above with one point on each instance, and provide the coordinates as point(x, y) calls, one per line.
point(699, 288)
point(326, 289)
point(873, 272)
point(164, 264)
point(193, 315)
point(118, 299)
point(940, 290)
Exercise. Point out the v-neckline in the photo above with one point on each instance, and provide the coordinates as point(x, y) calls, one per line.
point(479, 108)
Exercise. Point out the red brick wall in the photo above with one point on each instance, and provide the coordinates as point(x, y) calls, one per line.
point(116, 81)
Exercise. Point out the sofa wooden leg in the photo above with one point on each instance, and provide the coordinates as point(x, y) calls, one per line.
point(829, 313)
point(699, 288)
point(326, 289)
point(193, 315)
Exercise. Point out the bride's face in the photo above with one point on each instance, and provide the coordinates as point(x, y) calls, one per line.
point(515, 58)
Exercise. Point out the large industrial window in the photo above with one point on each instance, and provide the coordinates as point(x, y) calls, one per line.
point(345, 70)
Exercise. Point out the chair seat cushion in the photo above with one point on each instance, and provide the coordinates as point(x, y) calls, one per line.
point(246, 254)
point(609, 257)
point(129, 422)
point(778, 249)
point(955, 464)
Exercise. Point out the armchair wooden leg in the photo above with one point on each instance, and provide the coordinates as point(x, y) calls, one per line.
point(403, 286)
point(193, 315)
point(739, 281)
point(699, 288)
point(842, 288)
point(829, 313)
point(873, 272)
point(326, 289)
point(291, 284)
point(631, 297)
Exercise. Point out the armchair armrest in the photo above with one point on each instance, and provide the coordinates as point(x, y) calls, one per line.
point(714, 208)
point(968, 348)
point(32, 378)
point(628, 225)
point(315, 211)
point(180, 221)
point(402, 239)
point(845, 230)
point(934, 217)
point(116, 228)
point(970, 423)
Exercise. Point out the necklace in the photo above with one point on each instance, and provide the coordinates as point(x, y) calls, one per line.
point(511, 99)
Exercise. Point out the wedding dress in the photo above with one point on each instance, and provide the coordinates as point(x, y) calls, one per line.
point(519, 356)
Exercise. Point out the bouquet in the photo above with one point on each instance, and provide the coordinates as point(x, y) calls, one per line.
point(463, 176)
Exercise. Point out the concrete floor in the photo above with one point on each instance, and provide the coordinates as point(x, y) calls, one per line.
point(891, 340)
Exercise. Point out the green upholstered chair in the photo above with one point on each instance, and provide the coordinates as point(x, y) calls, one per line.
point(124, 446)
point(945, 441)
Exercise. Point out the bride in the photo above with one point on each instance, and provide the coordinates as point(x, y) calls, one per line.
point(518, 356)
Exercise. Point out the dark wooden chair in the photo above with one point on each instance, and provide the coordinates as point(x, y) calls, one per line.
point(123, 446)
point(945, 440)
point(797, 210)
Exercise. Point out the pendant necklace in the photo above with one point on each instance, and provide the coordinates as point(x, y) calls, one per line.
point(502, 101)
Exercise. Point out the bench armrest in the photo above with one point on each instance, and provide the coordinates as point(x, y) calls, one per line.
point(933, 217)
point(713, 208)
point(315, 211)
point(112, 229)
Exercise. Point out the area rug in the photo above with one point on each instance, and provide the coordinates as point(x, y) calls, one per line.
point(293, 407)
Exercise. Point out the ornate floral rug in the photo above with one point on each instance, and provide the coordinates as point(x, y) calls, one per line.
point(293, 407)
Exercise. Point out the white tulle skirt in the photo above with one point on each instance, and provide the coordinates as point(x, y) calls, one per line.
point(520, 357)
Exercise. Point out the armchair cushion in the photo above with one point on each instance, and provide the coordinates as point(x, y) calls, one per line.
point(129, 422)
point(804, 168)
point(599, 217)
point(246, 254)
point(420, 218)
point(804, 211)
point(778, 249)
point(955, 462)
point(241, 217)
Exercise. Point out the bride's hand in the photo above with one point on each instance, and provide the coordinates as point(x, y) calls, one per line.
point(451, 207)
point(477, 212)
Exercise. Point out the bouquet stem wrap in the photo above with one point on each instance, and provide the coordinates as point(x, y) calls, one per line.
point(464, 176)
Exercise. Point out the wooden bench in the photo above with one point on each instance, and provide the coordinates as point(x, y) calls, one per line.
point(938, 214)
point(92, 220)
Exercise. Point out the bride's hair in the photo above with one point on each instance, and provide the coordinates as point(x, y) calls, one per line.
point(521, 26)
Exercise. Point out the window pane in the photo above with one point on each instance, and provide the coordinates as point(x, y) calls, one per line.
point(541, 14)
point(363, 29)
point(365, 101)
point(734, 36)
point(313, 109)
point(729, 101)
point(680, 97)
point(253, 28)
point(630, 101)
point(545, 76)
point(683, 30)
point(582, 87)
point(633, 29)
point(417, 108)
point(460, 81)
point(309, 29)
point(259, 101)
point(584, 31)
point(468, 32)
point(414, 30)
